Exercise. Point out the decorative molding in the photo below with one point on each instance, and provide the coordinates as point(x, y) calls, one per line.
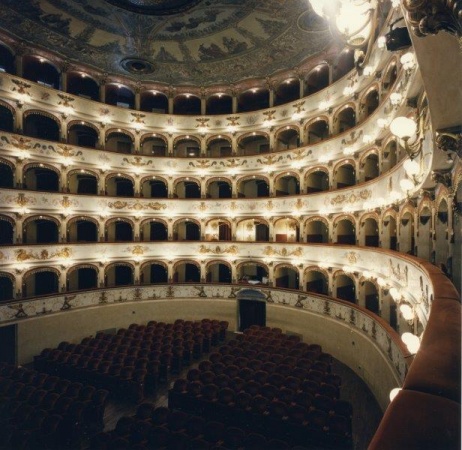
point(428, 17)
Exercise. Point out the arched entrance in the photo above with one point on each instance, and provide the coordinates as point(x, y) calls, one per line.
point(251, 308)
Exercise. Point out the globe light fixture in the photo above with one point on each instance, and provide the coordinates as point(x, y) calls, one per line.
point(393, 393)
point(404, 129)
point(411, 341)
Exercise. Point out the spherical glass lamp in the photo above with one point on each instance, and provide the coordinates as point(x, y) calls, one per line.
point(411, 167)
point(407, 312)
point(406, 185)
point(411, 341)
point(403, 127)
point(393, 393)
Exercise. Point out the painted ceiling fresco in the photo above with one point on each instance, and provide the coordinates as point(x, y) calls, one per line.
point(214, 41)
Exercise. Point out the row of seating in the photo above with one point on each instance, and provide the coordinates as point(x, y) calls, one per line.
point(43, 411)
point(164, 428)
point(297, 398)
point(131, 363)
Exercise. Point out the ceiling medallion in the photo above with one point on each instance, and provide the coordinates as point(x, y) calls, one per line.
point(137, 66)
point(155, 7)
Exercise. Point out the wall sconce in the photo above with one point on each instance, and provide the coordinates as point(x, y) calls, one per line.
point(413, 170)
point(404, 129)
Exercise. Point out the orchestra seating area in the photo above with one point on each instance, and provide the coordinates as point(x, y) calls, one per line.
point(272, 384)
point(260, 389)
point(130, 363)
point(41, 411)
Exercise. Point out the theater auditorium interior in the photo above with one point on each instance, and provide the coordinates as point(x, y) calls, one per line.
point(230, 224)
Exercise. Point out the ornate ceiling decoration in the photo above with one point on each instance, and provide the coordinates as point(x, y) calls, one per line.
point(213, 42)
point(155, 7)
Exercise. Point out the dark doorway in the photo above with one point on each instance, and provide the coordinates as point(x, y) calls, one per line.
point(6, 174)
point(8, 344)
point(46, 283)
point(46, 232)
point(251, 312)
point(158, 274)
point(86, 232)
point(87, 279)
point(158, 232)
point(372, 303)
point(87, 185)
point(6, 232)
point(6, 289)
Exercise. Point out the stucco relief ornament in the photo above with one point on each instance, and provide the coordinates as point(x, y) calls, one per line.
point(232, 294)
point(24, 255)
point(349, 198)
point(232, 163)
point(351, 257)
point(232, 250)
point(170, 292)
point(400, 275)
point(66, 151)
point(20, 313)
point(137, 161)
point(269, 115)
point(67, 302)
point(138, 294)
point(66, 101)
point(20, 87)
point(428, 17)
point(200, 291)
point(301, 298)
point(202, 164)
point(270, 251)
point(21, 143)
point(103, 298)
point(137, 250)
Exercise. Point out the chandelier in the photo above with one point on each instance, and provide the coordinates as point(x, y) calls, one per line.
point(353, 20)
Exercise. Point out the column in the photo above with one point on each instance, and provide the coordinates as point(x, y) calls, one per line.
point(301, 81)
point(19, 64)
point(136, 273)
point(233, 188)
point(18, 225)
point(138, 98)
point(64, 78)
point(102, 138)
point(18, 174)
point(234, 103)
point(18, 119)
point(137, 185)
point(63, 129)
point(101, 272)
point(271, 97)
point(271, 141)
point(203, 105)
point(102, 91)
